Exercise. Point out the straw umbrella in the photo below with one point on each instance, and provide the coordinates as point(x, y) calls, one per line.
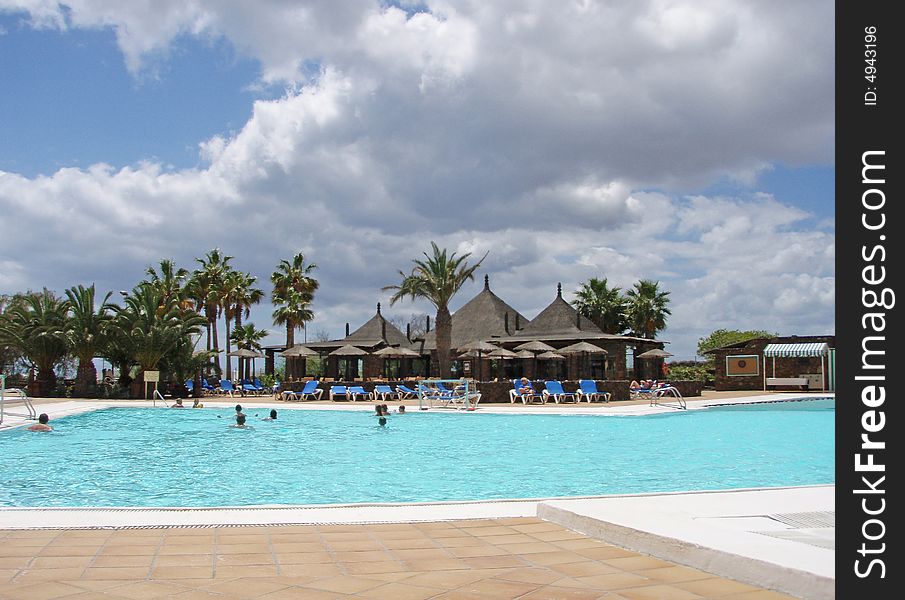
point(503, 354)
point(535, 347)
point(654, 354)
point(391, 352)
point(297, 352)
point(478, 346)
point(246, 353)
point(550, 355)
point(347, 351)
point(583, 348)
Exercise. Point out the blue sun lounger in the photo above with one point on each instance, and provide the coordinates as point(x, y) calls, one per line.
point(553, 389)
point(525, 397)
point(405, 392)
point(587, 389)
point(356, 391)
point(338, 390)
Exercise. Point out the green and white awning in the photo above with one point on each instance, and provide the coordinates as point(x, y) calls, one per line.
point(812, 349)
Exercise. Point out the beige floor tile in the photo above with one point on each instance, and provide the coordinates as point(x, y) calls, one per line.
point(637, 563)
point(459, 542)
point(552, 592)
point(555, 558)
point(674, 573)
point(184, 560)
point(345, 536)
point(560, 535)
point(291, 529)
point(281, 547)
point(715, 587)
point(368, 568)
point(499, 588)
point(236, 571)
point(7, 574)
point(149, 549)
point(471, 523)
point(346, 584)
point(295, 538)
point(145, 590)
point(244, 559)
point(658, 592)
point(407, 534)
point(438, 564)
point(182, 572)
point(537, 527)
point(302, 558)
point(362, 545)
point(459, 595)
point(96, 585)
point(492, 531)
point(512, 538)
point(247, 587)
point(528, 548)
point(585, 568)
point(36, 575)
point(302, 593)
point(306, 570)
point(61, 562)
point(759, 595)
point(91, 596)
point(239, 548)
point(579, 543)
point(438, 534)
point(434, 525)
point(531, 575)
point(41, 591)
point(495, 562)
point(408, 543)
point(134, 541)
point(202, 549)
point(614, 581)
point(188, 540)
point(18, 562)
point(356, 529)
point(54, 550)
point(124, 573)
point(365, 556)
point(229, 539)
point(399, 591)
point(521, 521)
point(473, 551)
point(199, 595)
point(605, 552)
point(29, 551)
point(26, 542)
point(423, 554)
point(126, 560)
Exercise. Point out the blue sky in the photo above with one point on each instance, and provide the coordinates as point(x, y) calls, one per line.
point(358, 135)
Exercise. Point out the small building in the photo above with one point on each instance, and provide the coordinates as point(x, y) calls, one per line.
point(750, 364)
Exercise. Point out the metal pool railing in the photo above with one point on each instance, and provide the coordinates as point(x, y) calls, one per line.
point(21, 396)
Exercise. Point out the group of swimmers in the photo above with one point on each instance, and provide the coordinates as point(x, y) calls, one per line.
point(382, 410)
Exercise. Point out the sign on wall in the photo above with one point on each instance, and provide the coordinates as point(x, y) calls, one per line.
point(742, 365)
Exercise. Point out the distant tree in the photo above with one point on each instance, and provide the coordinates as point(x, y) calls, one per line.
point(35, 324)
point(239, 296)
point(86, 334)
point(436, 279)
point(724, 337)
point(249, 337)
point(209, 290)
point(647, 308)
point(606, 307)
point(416, 323)
point(293, 309)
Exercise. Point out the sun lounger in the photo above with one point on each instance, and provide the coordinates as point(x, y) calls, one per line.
point(338, 390)
point(553, 389)
point(587, 389)
point(356, 391)
point(525, 397)
point(226, 387)
point(383, 392)
point(309, 392)
point(405, 392)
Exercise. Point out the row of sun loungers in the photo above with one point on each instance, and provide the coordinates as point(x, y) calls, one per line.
point(587, 391)
point(227, 388)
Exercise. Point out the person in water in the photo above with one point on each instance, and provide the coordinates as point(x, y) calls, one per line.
point(382, 421)
point(41, 425)
point(240, 421)
point(401, 409)
point(272, 417)
point(177, 404)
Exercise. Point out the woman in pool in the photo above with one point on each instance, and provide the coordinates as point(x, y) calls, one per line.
point(272, 417)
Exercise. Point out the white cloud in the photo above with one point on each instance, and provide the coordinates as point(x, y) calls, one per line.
point(536, 131)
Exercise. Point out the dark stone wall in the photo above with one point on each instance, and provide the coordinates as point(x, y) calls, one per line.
point(785, 366)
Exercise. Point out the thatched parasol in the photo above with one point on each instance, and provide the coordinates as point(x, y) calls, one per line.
point(478, 346)
point(655, 353)
point(391, 352)
point(583, 348)
point(550, 356)
point(503, 353)
point(348, 350)
point(535, 346)
point(297, 351)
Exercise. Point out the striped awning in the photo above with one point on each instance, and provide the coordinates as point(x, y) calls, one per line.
point(812, 349)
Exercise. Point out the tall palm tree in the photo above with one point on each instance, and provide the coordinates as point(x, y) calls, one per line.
point(86, 333)
point(437, 278)
point(647, 308)
point(145, 333)
point(606, 307)
point(248, 337)
point(240, 297)
point(35, 324)
point(294, 276)
point(208, 288)
point(171, 282)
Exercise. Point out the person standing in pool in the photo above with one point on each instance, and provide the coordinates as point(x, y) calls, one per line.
point(382, 421)
point(41, 425)
point(239, 410)
point(272, 417)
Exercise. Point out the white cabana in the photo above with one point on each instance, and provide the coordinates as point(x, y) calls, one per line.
point(808, 350)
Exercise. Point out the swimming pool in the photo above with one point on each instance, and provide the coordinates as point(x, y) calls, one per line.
point(158, 457)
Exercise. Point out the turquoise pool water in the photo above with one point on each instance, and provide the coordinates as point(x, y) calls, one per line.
point(160, 457)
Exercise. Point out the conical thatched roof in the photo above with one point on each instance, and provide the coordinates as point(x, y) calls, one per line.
point(559, 318)
point(481, 318)
point(372, 333)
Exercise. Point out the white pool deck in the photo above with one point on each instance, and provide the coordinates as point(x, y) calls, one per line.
point(780, 538)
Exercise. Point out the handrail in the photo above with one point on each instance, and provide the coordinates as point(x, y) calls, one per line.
point(22, 396)
point(157, 395)
point(668, 391)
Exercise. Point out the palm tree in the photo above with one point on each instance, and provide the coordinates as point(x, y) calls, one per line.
point(208, 289)
point(293, 311)
point(295, 276)
point(146, 334)
point(647, 308)
point(248, 337)
point(437, 279)
point(86, 331)
point(606, 307)
point(35, 324)
point(240, 297)
point(171, 282)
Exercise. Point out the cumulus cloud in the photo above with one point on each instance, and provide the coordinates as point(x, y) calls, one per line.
point(560, 137)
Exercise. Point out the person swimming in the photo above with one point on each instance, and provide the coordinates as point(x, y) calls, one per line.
point(401, 409)
point(382, 421)
point(272, 417)
point(177, 404)
point(41, 425)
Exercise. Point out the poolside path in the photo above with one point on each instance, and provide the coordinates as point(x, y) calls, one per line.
point(522, 557)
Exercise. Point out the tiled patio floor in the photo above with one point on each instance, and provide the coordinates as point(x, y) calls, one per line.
point(503, 558)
